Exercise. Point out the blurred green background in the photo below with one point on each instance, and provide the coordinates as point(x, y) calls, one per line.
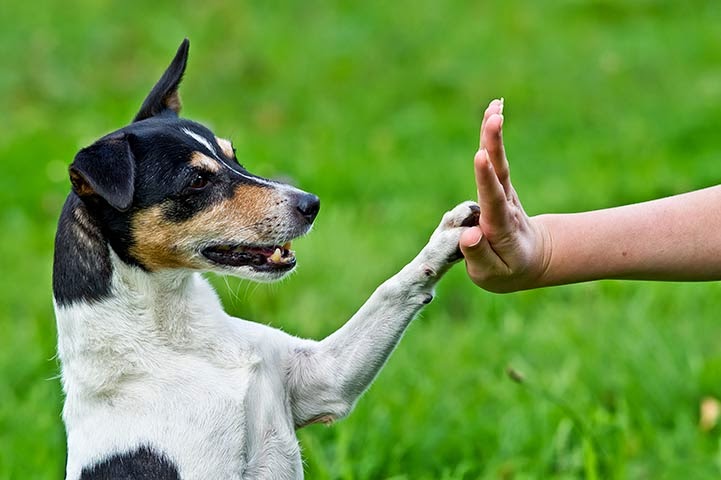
point(375, 107)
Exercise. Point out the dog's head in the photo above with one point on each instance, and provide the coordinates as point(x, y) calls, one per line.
point(168, 193)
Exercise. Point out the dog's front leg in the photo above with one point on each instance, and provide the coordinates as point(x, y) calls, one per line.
point(326, 378)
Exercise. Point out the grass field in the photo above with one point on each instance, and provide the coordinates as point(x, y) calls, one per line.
point(375, 108)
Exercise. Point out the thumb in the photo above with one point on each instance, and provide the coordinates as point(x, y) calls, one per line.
point(470, 240)
point(480, 257)
point(476, 249)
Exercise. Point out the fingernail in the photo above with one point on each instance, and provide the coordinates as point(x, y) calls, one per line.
point(501, 109)
point(475, 236)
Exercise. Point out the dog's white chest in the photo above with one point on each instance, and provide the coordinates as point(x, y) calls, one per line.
point(207, 394)
point(195, 415)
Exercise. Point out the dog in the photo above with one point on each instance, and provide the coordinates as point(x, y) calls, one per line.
point(159, 381)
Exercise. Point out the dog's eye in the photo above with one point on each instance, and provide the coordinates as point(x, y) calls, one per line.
point(198, 183)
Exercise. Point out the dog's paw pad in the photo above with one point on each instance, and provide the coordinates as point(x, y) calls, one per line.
point(472, 219)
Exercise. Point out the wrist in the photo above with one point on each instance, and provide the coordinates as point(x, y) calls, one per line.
point(542, 272)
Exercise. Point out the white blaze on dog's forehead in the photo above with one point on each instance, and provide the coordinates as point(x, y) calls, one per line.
point(254, 179)
point(200, 139)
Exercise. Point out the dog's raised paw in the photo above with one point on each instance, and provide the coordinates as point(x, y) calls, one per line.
point(465, 214)
point(443, 244)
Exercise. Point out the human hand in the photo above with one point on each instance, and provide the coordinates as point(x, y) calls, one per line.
point(507, 251)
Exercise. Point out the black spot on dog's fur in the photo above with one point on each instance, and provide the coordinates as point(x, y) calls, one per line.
point(141, 464)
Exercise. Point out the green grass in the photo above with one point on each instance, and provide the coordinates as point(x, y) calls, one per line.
point(375, 108)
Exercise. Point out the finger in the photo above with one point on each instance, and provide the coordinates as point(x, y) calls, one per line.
point(480, 257)
point(493, 141)
point(471, 238)
point(495, 213)
point(493, 107)
point(496, 106)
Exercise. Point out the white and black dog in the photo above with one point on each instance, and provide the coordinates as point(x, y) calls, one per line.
point(160, 382)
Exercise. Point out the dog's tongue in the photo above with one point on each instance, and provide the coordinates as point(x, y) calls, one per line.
point(274, 253)
point(268, 251)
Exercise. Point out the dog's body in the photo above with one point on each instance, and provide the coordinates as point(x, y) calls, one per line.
point(160, 382)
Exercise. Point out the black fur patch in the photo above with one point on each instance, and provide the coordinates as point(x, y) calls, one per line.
point(82, 269)
point(106, 169)
point(142, 464)
point(164, 153)
point(163, 98)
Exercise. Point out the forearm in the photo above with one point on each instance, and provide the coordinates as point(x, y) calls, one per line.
point(674, 238)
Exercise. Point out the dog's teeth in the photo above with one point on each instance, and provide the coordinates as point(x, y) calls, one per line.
point(277, 256)
point(286, 246)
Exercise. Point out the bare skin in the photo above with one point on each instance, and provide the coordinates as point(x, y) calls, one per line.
point(676, 238)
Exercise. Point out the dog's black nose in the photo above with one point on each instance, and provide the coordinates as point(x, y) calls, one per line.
point(308, 206)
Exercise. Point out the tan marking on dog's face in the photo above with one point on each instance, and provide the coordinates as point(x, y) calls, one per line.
point(243, 218)
point(226, 147)
point(204, 162)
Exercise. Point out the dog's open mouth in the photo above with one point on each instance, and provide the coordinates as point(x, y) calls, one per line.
point(274, 257)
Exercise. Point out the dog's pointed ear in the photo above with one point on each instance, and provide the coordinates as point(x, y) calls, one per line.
point(164, 98)
point(106, 169)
